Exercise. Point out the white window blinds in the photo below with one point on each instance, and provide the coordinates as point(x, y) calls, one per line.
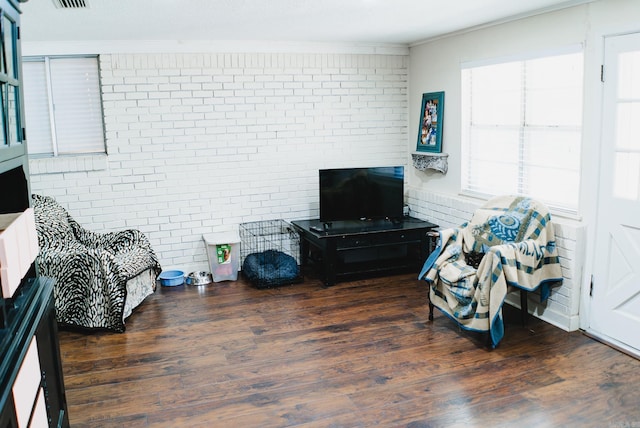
point(522, 128)
point(63, 105)
point(37, 108)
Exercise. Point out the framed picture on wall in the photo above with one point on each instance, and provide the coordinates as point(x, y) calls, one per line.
point(431, 119)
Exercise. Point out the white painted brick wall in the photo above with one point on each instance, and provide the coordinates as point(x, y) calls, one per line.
point(199, 143)
point(563, 305)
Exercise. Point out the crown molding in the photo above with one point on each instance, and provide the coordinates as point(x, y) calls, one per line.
point(554, 8)
point(93, 47)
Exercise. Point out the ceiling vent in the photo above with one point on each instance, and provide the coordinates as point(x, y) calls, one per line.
point(71, 4)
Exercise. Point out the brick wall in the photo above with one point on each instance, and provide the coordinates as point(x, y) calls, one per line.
point(198, 143)
point(563, 305)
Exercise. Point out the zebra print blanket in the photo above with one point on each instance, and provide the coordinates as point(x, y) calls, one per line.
point(91, 269)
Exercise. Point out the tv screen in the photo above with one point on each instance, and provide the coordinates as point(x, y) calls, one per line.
point(361, 193)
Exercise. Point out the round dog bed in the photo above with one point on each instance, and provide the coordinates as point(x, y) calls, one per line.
point(270, 268)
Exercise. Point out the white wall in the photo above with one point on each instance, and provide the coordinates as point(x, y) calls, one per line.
point(435, 66)
point(199, 143)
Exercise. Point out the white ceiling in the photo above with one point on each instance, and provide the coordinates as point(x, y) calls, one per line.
point(401, 22)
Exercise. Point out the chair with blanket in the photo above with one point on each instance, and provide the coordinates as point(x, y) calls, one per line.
point(509, 242)
point(100, 277)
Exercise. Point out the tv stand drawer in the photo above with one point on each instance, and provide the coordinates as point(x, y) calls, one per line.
point(347, 242)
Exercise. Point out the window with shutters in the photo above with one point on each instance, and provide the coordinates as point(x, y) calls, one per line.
point(63, 105)
point(522, 127)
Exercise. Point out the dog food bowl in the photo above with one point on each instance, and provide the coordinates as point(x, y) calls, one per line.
point(199, 278)
point(171, 278)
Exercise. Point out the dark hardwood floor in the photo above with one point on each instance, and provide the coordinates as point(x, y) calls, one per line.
point(358, 354)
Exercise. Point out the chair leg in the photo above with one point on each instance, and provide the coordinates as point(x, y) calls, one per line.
point(430, 311)
point(524, 307)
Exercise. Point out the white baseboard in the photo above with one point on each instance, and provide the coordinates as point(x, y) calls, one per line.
point(563, 321)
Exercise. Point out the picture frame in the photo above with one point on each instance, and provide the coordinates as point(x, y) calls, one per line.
point(431, 120)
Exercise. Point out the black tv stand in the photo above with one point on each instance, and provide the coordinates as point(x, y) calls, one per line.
point(358, 247)
point(323, 226)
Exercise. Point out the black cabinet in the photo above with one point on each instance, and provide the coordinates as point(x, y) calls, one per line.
point(12, 107)
point(8, 415)
point(31, 372)
point(31, 384)
point(14, 166)
point(364, 247)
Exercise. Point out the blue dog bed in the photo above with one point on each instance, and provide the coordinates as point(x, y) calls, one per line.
point(270, 268)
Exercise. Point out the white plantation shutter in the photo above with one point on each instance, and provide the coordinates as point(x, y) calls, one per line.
point(77, 107)
point(70, 88)
point(522, 128)
point(36, 107)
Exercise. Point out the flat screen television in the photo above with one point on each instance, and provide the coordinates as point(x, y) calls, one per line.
point(361, 193)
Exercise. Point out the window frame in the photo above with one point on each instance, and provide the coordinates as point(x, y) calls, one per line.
point(46, 60)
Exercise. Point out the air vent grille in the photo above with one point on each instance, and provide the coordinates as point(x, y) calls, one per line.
point(71, 4)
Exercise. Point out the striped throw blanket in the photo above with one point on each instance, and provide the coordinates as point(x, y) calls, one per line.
point(515, 239)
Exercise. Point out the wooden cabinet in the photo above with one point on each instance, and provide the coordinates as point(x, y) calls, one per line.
point(14, 166)
point(31, 371)
point(12, 106)
point(32, 393)
point(31, 384)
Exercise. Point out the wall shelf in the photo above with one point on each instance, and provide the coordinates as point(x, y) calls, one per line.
point(436, 161)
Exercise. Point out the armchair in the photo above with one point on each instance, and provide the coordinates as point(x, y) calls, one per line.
point(100, 277)
point(509, 242)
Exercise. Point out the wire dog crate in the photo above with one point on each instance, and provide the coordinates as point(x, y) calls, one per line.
point(270, 253)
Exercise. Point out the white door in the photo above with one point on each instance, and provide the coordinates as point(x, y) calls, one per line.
point(615, 302)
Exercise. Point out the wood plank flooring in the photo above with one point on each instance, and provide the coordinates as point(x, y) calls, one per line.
point(358, 354)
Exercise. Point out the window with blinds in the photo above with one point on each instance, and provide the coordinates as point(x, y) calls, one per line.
point(63, 105)
point(522, 128)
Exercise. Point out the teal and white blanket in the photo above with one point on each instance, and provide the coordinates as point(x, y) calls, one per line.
point(515, 239)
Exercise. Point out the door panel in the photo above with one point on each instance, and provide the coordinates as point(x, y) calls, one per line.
point(615, 303)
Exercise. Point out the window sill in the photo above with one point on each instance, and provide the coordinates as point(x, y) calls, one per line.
point(62, 164)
